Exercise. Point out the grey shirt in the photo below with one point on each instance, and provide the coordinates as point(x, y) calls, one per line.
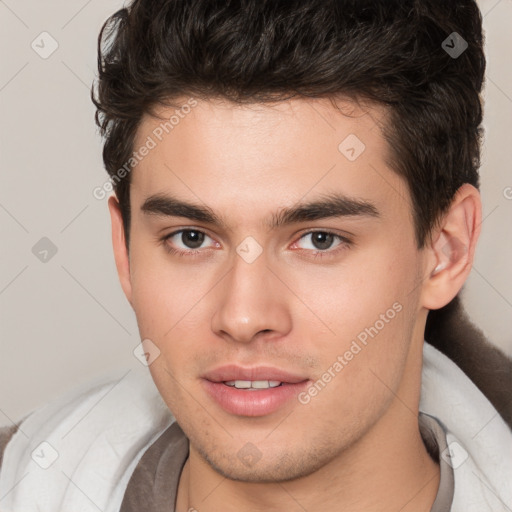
point(154, 483)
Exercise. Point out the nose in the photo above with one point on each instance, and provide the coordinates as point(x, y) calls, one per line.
point(251, 302)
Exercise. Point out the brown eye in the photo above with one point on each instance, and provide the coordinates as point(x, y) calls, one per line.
point(323, 244)
point(192, 239)
point(185, 240)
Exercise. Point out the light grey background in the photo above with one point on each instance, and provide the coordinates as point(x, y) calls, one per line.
point(66, 321)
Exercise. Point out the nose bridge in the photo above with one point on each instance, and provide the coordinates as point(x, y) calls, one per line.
point(251, 299)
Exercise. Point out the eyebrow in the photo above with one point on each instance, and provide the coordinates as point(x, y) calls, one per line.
point(327, 206)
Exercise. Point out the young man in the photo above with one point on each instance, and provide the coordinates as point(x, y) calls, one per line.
point(296, 190)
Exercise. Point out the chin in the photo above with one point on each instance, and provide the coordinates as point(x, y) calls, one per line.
point(280, 468)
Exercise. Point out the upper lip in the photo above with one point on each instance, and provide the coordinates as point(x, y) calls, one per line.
point(234, 372)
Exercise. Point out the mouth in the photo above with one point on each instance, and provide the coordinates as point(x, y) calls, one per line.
point(259, 376)
point(257, 391)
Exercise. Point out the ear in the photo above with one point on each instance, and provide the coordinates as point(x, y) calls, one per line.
point(120, 251)
point(450, 257)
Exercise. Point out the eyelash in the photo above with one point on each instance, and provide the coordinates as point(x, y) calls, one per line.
point(191, 253)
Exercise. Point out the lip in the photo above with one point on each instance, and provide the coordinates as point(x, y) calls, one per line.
point(234, 372)
point(252, 402)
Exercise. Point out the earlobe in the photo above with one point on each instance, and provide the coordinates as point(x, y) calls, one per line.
point(453, 250)
point(119, 246)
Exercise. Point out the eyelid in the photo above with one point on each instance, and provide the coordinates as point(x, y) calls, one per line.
point(332, 231)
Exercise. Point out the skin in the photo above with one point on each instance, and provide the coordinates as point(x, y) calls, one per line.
point(356, 445)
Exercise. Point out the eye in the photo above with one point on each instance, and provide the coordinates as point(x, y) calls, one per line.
point(322, 242)
point(185, 242)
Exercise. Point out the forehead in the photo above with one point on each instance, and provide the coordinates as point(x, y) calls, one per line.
point(265, 155)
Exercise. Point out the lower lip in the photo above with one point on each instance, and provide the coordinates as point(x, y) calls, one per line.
point(252, 402)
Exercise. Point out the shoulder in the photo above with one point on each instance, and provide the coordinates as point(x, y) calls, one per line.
point(78, 451)
point(451, 331)
point(477, 437)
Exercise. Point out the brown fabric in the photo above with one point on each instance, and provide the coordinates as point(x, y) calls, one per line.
point(153, 485)
point(5, 436)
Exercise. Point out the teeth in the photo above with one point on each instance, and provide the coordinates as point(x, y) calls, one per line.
point(263, 384)
point(254, 384)
point(242, 384)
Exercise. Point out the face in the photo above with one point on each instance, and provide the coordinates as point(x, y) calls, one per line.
point(271, 245)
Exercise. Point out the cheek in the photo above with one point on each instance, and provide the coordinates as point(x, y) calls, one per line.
point(172, 311)
point(361, 370)
point(370, 310)
point(163, 291)
point(350, 297)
